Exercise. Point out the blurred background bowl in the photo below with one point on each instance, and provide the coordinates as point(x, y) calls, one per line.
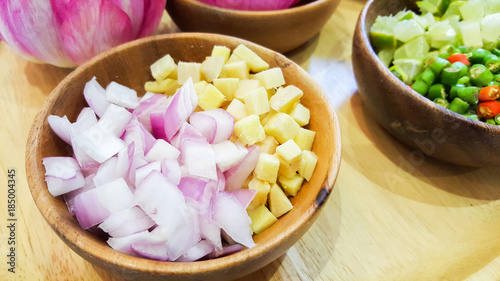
point(413, 119)
point(281, 30)
point(129, 65)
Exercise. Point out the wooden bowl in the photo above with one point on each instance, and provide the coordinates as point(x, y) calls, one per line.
point(129, 65)
point(282, 30)
point(413, 119)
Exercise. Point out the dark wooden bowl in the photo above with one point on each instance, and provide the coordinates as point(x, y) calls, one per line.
point(129, 65)
point(282, 30)
point(413, 119)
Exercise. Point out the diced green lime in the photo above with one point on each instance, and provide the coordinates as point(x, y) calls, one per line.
point(407, 30)
point(472, 10)
point(471, 33)
point(426, 7)
point(415, 49)
point(382, 40)
point(386, 55)
point(410, 67)
point(490, 28)
point(405, 15)
point(453, 9)
point(441, 34)
point(425, 20)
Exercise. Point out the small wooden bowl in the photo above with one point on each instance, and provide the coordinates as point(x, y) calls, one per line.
point(282, 30)
point(129, 65)
point(415, 120)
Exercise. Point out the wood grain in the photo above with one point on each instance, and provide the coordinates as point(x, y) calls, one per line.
point(391, 216)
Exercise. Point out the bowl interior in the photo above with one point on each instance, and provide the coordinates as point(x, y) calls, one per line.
point(129, 65)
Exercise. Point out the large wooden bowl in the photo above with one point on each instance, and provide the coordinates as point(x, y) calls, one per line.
point(129, 65)
point(282, 30)
point(413, 119)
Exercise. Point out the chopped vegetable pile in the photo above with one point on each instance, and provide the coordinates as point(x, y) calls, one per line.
point(449, 53)
point(205, 159)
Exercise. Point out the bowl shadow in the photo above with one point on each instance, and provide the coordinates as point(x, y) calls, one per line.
point(413, 163)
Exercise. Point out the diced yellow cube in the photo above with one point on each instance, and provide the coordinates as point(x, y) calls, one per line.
point(253, 60)
point(268, 145)
point(291, 185)
point(211, 67)
point(173, 74)
point(167, 86)
point(287, 169)
point(200, 87)
point(271, 78)
point(261, 218)
point(270, 92)
point(267, 167)
point(249, 130)
point(282, 127)
point(305, 138)
point(285, 99)
point(221, 51)
point(266, 117)
point(237, 109)
point(278, 202)
point(262, 188)
point(244, 87)
point(237, 69)
point(256, 101)
point(227, 86)
point(300, 114)
point(234, 58)
point(289, 151)
point(307, 165)
point(211, 98)
point(163, 67)
point(188, 69)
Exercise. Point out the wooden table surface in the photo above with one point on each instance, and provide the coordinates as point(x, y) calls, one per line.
point(392, 215)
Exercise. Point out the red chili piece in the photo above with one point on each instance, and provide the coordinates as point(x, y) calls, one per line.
point(488, 109)
point(489, 93)
point(459, 57)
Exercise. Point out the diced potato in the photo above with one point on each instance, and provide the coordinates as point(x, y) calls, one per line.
point(256, 101)
point(289, 151)
point(163, 67)
point(291, 185)
point(287, 169)
point(300, 114)
point(237, 69)
point(211, 67)
point(244, 87)
point(261, 218)
point(268, 145)
point(282, 127)
point(188, 69)
point(262, 188)
point(255, 63)
point(227, 86)
point(249, 130)
point(167, 86)
point(221, 51)
point(271, 78)
point(267, 167)
point(285, 99)
point(266, 117)
point(307, 165)
point(305, 138)
point(173, 74)
point(278, 202)
point(211, 98)
point(270, 92)
point(237, 109)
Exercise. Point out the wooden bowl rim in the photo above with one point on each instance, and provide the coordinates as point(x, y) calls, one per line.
point(403, 87)
point(314, 5)
point(84, 243)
